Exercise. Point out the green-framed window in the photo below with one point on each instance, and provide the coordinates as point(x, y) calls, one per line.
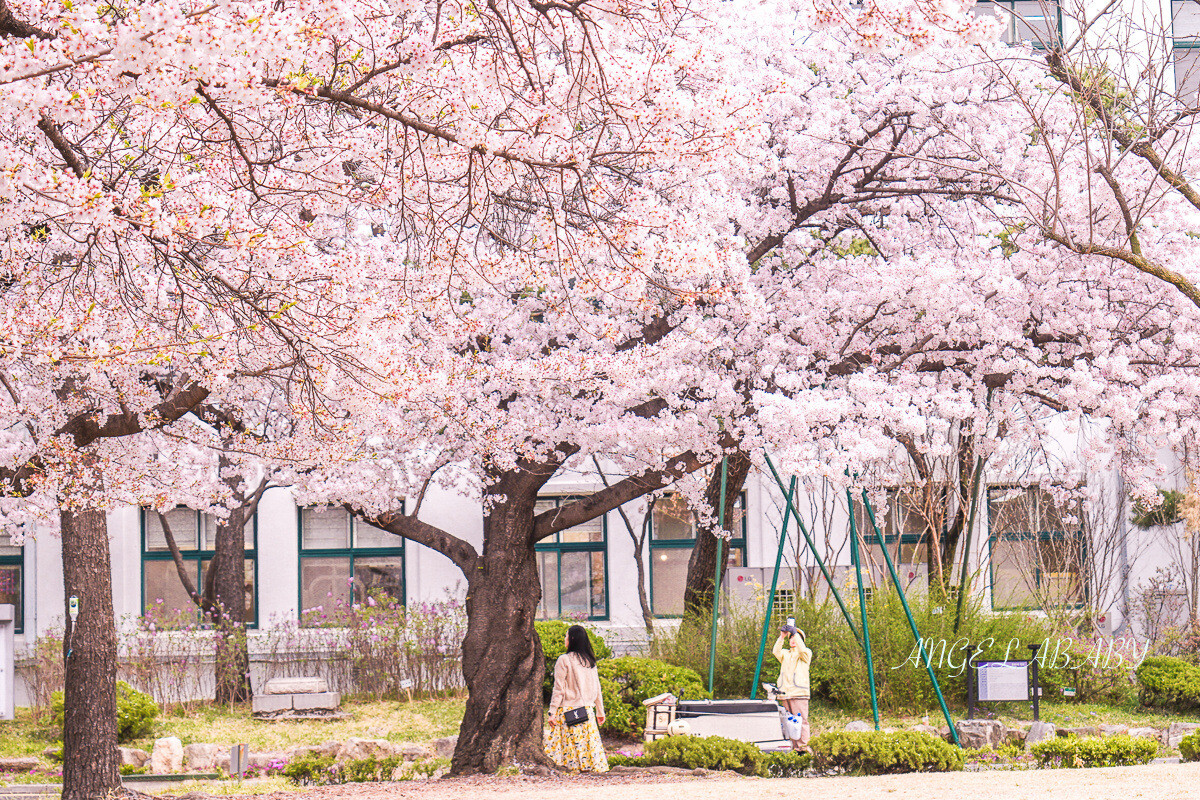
point(903, 527)
point(12, 577)
point(343, 559)
point(1037, 22)
point(672, 538)
point(195, 532)
point(1037, 550)
point(573, 567)
point(1185, 55)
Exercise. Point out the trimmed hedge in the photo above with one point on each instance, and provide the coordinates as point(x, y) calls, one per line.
point(719, 753)
point(877, 753)
point(552, 634)
point(1167, 682)
point(1189, 747)
point(136, 713)
point(629, 680)
point(1111, 751)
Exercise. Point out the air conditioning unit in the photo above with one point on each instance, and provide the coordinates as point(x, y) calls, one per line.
point(1107, 622)
point(750, 585)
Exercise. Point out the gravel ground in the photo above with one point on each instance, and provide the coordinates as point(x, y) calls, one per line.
point(1157, 781)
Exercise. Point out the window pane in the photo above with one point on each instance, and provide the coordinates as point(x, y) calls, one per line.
point(369, 536)
point(668, 574)
point(1187, 73)
point(182, 522)
point(1037, 21)
point(599, 596)
point(548, 572)
point(247, 586)
point(672, 519)
point(7, 548)
point(324, 582)
point(1185, 21)
point(575, 583)
point(1011, 512)
point(1013, 574)
point(164, 594)
point(10, 590)
point(208, 532)
point(378, 574)
point(590, 531)
point(326, 529)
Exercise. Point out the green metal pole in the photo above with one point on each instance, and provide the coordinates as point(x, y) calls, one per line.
point(862, 607)
point(712, 644)
point(911, 622)
point(762, 644)
point(963, 574)
point(820, 562)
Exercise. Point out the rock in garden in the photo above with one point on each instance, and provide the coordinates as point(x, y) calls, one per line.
point(329, 749)
point(415, 752)
point(167, 756)
point(1039, 732)
point(444, 747)
point(859, 726)
point(132, 757)
point(1014, 736)
point(201, 757)
point(977, 733)
point(1114, 730)
point(19, 764)
point(929, 729)
point(264, 760)
point(1147, 733)
point(355, 748)
point(1178, 730)
point(1080, 731)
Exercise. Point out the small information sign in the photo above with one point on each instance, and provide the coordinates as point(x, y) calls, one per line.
point(1003, 680)
point(239, 759)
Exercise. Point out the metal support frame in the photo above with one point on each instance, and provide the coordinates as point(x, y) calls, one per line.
point(712, 644)
point(862, 607)
point(766, 627)
point(908, 613)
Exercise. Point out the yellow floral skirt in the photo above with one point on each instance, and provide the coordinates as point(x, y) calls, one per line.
point(577, 747)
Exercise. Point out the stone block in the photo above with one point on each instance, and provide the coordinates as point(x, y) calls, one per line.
point(1080, 731)
point(201, 757)
point(444, 747)
point(859, 726)
point(167, 756)
point(977, 733)
point(132, 757)
point(264, 760)
point(1039, 732)
point(266, 703)
point(1114, 730)
point(1178, 730)
point(305, 702)
point(923, 728)
point(329, 749)
point(1147, 733)
point(415, 752)
point(19, 764)
point(1014, 737)
point(355, 748)
point(295, 686)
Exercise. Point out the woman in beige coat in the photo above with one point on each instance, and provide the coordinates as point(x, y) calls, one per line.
point(793, 678)
point(577, 685)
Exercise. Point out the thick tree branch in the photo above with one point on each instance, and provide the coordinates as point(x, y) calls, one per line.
point(460, 552)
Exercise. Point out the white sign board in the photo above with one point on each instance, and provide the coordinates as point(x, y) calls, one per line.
point(1003, 680)
point(7, 659)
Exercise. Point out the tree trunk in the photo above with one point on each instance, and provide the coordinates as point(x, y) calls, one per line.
point(702, 565)
point(503, 663)
point(90, 656)
point(232, 652)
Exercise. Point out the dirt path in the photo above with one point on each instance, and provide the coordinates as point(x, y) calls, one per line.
point(1156, 782)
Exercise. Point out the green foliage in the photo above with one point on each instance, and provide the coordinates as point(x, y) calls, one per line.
point(627, 681)
point(130, 769)
point(136, 713)
point(1167, 512)
point(314, 770)
point(365, 770)
point(785, 765)
point(1189, 747)
point(1168, 682)
point(719, 753)
point(1111, 751)
point(618, 760)
point(552, 633)
point(875, 753)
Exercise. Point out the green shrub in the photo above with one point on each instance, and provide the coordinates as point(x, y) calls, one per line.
point(366, 770)
point(552, 633)
point(706, 752)
point(627, 681)
point(1168, 682)
point(1111, 751)
point(136, 713)
point(875, 753)
point(1189, 747)
point(785, 765)
point(130, 769)
point(314, 770)
point(618, 760)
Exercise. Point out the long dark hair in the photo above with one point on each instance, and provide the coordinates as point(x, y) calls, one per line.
point(579, 643)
